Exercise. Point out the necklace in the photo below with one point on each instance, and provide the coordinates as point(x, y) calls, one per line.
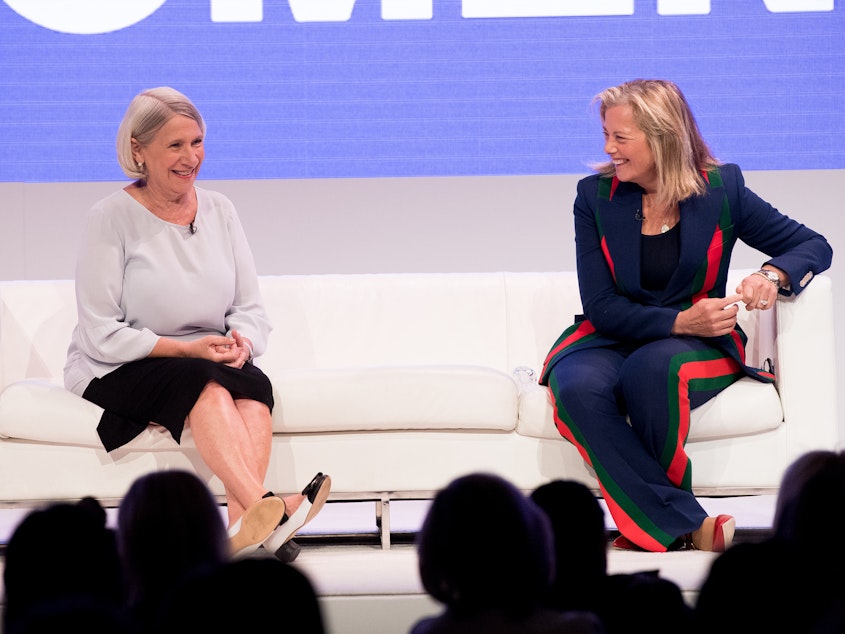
point(663, 227)
point(666, 216)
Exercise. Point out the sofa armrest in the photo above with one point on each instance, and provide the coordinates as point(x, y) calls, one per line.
point(805, 366)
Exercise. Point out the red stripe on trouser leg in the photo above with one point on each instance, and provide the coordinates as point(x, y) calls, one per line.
point(688, 372)
point(603, 437)
point(594, 388)
point(623, 521)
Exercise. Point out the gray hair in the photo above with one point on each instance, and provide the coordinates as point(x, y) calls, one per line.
point(147, 113)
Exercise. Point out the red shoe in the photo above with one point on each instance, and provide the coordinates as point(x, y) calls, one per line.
point(723, 533)
point(724, 527)
point(623, 543)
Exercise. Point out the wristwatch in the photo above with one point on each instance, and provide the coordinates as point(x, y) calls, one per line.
point(771, 276)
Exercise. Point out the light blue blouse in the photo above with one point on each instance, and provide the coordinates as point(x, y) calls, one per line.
point(139, 278)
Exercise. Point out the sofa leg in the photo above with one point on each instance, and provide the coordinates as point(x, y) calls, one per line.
point(383, 521)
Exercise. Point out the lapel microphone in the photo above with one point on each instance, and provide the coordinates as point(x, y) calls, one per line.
point(637, 216)
point(192, 227)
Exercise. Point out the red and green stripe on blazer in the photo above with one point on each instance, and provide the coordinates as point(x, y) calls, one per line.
point(583, 333)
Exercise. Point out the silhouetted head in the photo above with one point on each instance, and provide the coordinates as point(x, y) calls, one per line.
point(241, 595)
point(168, 526)
point(811, 498)
point(59, 552)
point(580, 537)
point(485, 544)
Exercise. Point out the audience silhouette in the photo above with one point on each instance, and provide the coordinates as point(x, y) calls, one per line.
point(497, 560)
point(630, 602)
point(792, 581)
point(487, 554)
point(62, 565)
point(169, 528)
point(239, 590)
point(74, 614)
point(580, 543)
point(167, 568)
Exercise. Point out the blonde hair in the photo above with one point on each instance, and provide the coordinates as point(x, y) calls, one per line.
point(661, 111)
point(147, 113)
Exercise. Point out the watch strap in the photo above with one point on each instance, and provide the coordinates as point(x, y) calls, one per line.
point(769, 275)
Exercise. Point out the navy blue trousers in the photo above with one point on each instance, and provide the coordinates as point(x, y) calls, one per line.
point(627, 410)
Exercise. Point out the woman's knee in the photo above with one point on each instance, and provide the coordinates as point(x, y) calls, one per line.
point(645, 366)
point(582, 377)
point(214, 393)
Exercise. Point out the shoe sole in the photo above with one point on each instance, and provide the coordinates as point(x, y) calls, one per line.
point(319, 499)
point(623, 543)
point(307, 510)
point(257, 524)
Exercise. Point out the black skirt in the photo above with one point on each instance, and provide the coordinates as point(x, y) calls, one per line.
point(163, 391)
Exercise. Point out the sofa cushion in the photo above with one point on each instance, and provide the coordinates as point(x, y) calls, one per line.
point(63, 418)
point(467, 398)
point(743, 408)
point(325, 400)
point(44, 411)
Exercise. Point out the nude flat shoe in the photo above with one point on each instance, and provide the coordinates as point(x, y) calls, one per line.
point(256, 524)
point(316, 493)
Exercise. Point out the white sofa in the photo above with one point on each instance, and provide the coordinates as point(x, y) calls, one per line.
point(397, 383)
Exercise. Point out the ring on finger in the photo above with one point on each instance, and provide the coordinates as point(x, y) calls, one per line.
point(764, 302)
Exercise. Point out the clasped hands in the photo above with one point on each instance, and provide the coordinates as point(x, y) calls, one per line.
point(234, 351)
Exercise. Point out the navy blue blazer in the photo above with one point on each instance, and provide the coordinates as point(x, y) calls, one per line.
point(608, 253)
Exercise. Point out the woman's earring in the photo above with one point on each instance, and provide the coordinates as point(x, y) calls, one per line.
point(140, 166)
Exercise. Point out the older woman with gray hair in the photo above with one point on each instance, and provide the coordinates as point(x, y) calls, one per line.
point(171, 318)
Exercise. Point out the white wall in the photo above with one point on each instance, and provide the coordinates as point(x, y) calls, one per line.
point(500, 223)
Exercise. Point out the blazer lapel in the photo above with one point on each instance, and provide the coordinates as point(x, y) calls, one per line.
point(699, 222)
point(622, 231)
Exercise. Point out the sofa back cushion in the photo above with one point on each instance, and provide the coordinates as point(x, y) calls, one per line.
point(37, 318)
point(372, 320)
point(362, 352)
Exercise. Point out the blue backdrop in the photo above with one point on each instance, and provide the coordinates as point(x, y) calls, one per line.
point(378, 92)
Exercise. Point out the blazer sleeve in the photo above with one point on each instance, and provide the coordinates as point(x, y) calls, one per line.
point(791, 246)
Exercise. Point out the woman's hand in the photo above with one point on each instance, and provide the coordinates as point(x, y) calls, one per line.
point(215, 348)
point(234, 351)
point(244, 348)
point(708, 317)
point(758, 292)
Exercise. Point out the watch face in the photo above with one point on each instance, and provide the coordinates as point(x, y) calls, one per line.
point(771, 276)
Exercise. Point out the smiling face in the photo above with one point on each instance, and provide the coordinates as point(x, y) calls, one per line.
point(627, 147)
point(172, 159)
